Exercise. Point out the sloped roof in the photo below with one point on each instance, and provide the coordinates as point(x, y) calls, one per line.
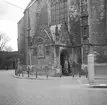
point(29, 5)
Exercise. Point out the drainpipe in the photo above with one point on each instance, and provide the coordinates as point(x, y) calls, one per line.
point(81, 33)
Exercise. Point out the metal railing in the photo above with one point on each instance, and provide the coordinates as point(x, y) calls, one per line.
point(37, 71)
point(44, 70)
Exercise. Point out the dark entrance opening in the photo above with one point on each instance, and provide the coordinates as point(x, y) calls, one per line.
point(13, 64)
point(64, 56)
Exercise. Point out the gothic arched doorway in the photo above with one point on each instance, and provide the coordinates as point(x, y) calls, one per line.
point(64, 56)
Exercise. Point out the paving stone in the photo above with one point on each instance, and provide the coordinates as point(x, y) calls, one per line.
point(14, 91)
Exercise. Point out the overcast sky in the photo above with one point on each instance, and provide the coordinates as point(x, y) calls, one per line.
point(9, 16)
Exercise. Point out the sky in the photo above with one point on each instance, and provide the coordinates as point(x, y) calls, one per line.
point(9, 16)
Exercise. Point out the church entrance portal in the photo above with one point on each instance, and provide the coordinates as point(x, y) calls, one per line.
point(64, 57)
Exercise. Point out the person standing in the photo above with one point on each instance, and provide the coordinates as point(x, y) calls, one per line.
point(80, 63)
point(70, 64)
point(66, 67)
point(6, 68)
point(73, 67)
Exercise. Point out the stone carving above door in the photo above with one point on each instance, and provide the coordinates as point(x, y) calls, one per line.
point(64, 37)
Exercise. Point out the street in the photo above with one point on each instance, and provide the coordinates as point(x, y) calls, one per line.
point(15, 91)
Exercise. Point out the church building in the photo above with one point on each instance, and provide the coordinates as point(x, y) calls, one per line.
point(52, 31)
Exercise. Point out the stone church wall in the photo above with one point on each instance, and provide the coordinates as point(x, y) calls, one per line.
point(98, 27)
point(21, 39)
point(36, 16)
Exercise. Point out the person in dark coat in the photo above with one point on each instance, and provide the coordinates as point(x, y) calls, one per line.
point(6, 68)
point(66, 67)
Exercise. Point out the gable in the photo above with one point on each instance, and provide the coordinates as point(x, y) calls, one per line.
point(43, 15)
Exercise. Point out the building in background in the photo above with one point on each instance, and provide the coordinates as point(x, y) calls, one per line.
point(8, 59)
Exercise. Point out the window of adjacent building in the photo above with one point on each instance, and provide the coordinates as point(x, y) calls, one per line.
point(59, 12)
point(47, 49)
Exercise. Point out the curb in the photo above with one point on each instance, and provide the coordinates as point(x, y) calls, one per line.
point(96, 85)
point(19, 77)
point(34, 78)
point(90, 85)
point(79, 81)
point(44, 78)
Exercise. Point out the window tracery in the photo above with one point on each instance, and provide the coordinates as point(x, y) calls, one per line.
point(59, 11)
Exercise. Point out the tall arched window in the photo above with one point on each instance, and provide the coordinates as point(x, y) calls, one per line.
point(59, 11)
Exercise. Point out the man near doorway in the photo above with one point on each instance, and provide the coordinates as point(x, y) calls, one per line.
point(66, 67)
point(6, 67)
point(72, 65)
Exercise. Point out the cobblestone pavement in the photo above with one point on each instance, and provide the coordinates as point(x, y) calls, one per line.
point(14, 91)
